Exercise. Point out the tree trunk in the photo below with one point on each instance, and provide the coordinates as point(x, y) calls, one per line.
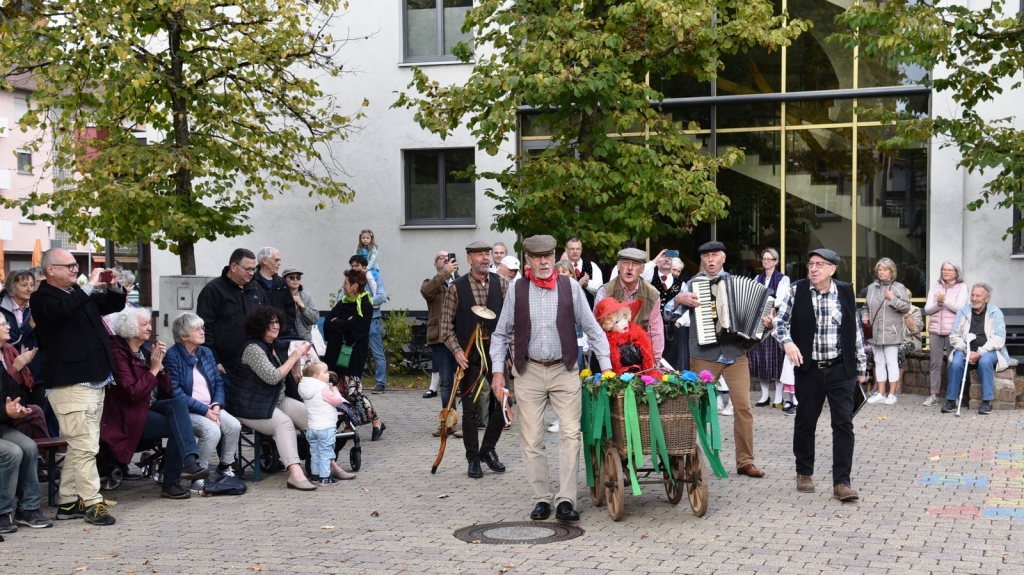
point(181, 131)
point(187, 256)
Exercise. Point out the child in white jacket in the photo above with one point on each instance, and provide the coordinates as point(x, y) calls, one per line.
point(321, 400)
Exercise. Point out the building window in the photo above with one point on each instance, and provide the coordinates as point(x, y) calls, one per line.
point(434, 192)
point(433, 28)
point(24, 161)
point(20, 108)
point(1018, 236)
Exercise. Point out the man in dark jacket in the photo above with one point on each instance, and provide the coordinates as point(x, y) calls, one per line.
point(78, 366)
point(224, 304)
point(273, 287)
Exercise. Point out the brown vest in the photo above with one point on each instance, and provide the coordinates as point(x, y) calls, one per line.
point(645, 293)
point(565, 320)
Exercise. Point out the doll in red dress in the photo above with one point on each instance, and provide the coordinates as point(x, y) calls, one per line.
point(631, 348)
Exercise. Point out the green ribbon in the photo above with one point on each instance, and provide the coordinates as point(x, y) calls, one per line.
point(705, 414)
point(658, 444)
point(596, 425)
point(634, 445)
point(586, 426)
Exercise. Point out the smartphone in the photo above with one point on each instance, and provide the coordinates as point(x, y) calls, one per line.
point(451, 256)
point(106, 276)
point(672, 254)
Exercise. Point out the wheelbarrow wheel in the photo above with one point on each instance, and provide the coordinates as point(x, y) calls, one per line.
point(697, 483)
point(597, 491)
point(612, 480)
point(674, 491)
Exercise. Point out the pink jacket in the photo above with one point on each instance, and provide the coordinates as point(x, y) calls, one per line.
point(943, 315)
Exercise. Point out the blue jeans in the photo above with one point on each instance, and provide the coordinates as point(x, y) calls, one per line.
point(19, 474)
point(377, 349)
point(444, 364)
point(169, 418)
point(321, 450)
point(986, 370)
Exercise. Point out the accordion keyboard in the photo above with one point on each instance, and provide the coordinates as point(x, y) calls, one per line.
point(705, 321)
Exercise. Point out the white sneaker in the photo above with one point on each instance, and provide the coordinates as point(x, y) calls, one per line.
point(728, 409)
point(553, 428)
point(876, 398)
point(930, 401)
point(891, 400)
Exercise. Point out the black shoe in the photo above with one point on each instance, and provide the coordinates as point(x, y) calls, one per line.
point(98, 514)
point(541, 511)
point(33, 518)
point(565, 512)
point(6, 525)
point(73, 510)
point(949, 406)
point(377, 389)
point(790, 409)
point(985, 408)
point(763, 403)
point(377, 432)
point(194, 472)
point(491, 459)
point(474, 470)
point(175, 492)
point(430, 393)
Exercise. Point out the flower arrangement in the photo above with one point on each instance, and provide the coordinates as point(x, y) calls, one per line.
point(670, 386)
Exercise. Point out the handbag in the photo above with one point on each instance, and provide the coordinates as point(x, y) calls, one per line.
point(344, 356)
point(868, 331)
point(225, 485)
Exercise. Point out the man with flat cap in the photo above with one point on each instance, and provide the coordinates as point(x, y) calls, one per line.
point(629, 286)
point(542, 310)
point(480, 287)
point(723, 358)
point(818, 328)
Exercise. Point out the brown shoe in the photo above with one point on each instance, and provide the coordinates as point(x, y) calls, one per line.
point(844, 492)
point(750, 471)
point(804, 484)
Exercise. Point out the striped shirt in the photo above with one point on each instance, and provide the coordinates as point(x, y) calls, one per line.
point(829, 317)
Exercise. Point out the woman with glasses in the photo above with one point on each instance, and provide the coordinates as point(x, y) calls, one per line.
point(766, 359)
point(945, 299)
point(14, 308)
point(196, 379)
point(886, 302)
point(303, 315)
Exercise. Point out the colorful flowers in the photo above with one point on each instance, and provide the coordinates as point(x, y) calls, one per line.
point(607, 375)
point(648, 380)
point(706, 376)
point(586, 373)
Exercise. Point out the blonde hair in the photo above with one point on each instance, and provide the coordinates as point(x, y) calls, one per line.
point(314, 369)
point(889, 265)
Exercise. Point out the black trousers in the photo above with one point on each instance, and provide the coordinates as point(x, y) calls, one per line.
point(812, 388)
point(471, 414)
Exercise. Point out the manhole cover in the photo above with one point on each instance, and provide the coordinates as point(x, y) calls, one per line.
point(518, 532)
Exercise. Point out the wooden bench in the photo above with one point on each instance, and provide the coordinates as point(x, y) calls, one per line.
point(51, 447)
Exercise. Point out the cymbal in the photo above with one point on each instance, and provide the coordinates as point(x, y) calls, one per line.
point(483, 312)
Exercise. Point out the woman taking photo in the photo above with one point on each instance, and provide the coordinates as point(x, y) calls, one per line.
point(348, 327)
point(765, 360)
point(946, 297)
point(306, 314)
point(884, 306)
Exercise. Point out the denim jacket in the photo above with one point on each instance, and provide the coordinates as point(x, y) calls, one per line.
point(179, 363)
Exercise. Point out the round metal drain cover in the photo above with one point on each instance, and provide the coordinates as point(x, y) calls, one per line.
point(532, 532)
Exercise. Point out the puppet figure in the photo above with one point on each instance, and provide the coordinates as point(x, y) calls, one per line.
point(631, 348)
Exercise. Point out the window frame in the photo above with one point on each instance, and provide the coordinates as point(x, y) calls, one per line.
point(440, 56)
point(442, 220)
point(20, 169)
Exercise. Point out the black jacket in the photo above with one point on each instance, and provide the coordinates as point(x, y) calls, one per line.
point(224, 306)
point(250, 397)
point(278, 295)
point(71, 333)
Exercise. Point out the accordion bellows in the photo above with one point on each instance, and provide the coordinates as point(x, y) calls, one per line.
point(739, 304)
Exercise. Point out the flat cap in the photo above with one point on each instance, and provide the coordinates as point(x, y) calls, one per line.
point(511, 262)
point(290, 271)
point(539, 244)
point(825, 253)
point(634, 254)
point(711, 247)
point(478, 246)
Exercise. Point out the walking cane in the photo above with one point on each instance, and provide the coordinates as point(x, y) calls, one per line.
point(963, 383)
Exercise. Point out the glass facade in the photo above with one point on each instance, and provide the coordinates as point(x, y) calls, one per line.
point(814, 174)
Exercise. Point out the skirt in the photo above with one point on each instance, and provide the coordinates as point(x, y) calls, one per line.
point(765, 360)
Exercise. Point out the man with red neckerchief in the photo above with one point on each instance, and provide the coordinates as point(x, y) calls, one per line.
point(542, 310)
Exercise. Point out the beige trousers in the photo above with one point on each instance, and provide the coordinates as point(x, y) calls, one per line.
point(536, 386)
point(288, 416)
point(78, 409)
point(737, 377)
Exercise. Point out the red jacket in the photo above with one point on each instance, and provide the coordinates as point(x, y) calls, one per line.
point(126, 405)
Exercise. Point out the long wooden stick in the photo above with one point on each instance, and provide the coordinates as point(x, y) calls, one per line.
point(443, 416)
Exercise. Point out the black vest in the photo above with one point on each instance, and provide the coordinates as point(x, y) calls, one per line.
point(587, 267)
point(803, 324)
point(666, 293)
point(465, 320)
point(249, 396)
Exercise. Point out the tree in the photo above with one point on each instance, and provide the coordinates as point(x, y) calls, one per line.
point(231, 83)
point(982, 52)
point(584, 67)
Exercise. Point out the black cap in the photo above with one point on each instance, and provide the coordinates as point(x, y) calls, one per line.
point(826, 254)
point(711, 247)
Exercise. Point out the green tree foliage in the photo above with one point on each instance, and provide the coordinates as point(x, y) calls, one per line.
point(978, 54)
point(232, 84)
point(584, 66)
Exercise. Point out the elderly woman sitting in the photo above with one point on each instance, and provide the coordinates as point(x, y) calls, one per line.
point(131, 411)
point(257, 392)
point(196, 379)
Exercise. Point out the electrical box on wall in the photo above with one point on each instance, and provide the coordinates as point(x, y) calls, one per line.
point(178, 294)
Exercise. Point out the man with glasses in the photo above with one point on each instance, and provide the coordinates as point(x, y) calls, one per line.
point(818, 327)
point(275, 289)
point(224, 304)
point(78, 365)
point(629, 286)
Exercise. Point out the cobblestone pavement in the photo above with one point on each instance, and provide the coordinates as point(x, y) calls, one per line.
point(938, 495)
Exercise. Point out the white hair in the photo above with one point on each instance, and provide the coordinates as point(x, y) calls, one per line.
point(126, 322)
point(265, 254)
point(184, 325)
point(984, 286)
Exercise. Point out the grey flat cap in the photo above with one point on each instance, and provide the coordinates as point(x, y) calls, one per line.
point(711, 247)
point(478, 246)
point(539, 245)
point(826, 254)
point(634, 254)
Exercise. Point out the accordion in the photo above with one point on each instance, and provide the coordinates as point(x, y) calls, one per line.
point(734, 314)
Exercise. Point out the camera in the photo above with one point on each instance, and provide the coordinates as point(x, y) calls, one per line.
point(451, 256)
point(106, 276)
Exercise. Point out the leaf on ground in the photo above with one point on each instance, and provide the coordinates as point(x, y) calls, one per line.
point(153, 570)
point(509, 566)
point(86, 529)
point(129, 570)
point(365, 489)
point(375, 514)
point(644, 536)
point(812, 514)
point(80, 569)
point(936, 458)
point(326, 527)
point(443, 496)
point(476, 542)
point(881, 418)
point(257, 568)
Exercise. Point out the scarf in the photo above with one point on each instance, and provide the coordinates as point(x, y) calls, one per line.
point(543, 284)
point(355, 300)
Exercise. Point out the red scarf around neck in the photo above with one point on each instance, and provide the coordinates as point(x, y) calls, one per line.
point(543, 284)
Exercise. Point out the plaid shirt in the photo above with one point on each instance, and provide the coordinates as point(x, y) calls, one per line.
point(829, 317)
point(451, 305)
